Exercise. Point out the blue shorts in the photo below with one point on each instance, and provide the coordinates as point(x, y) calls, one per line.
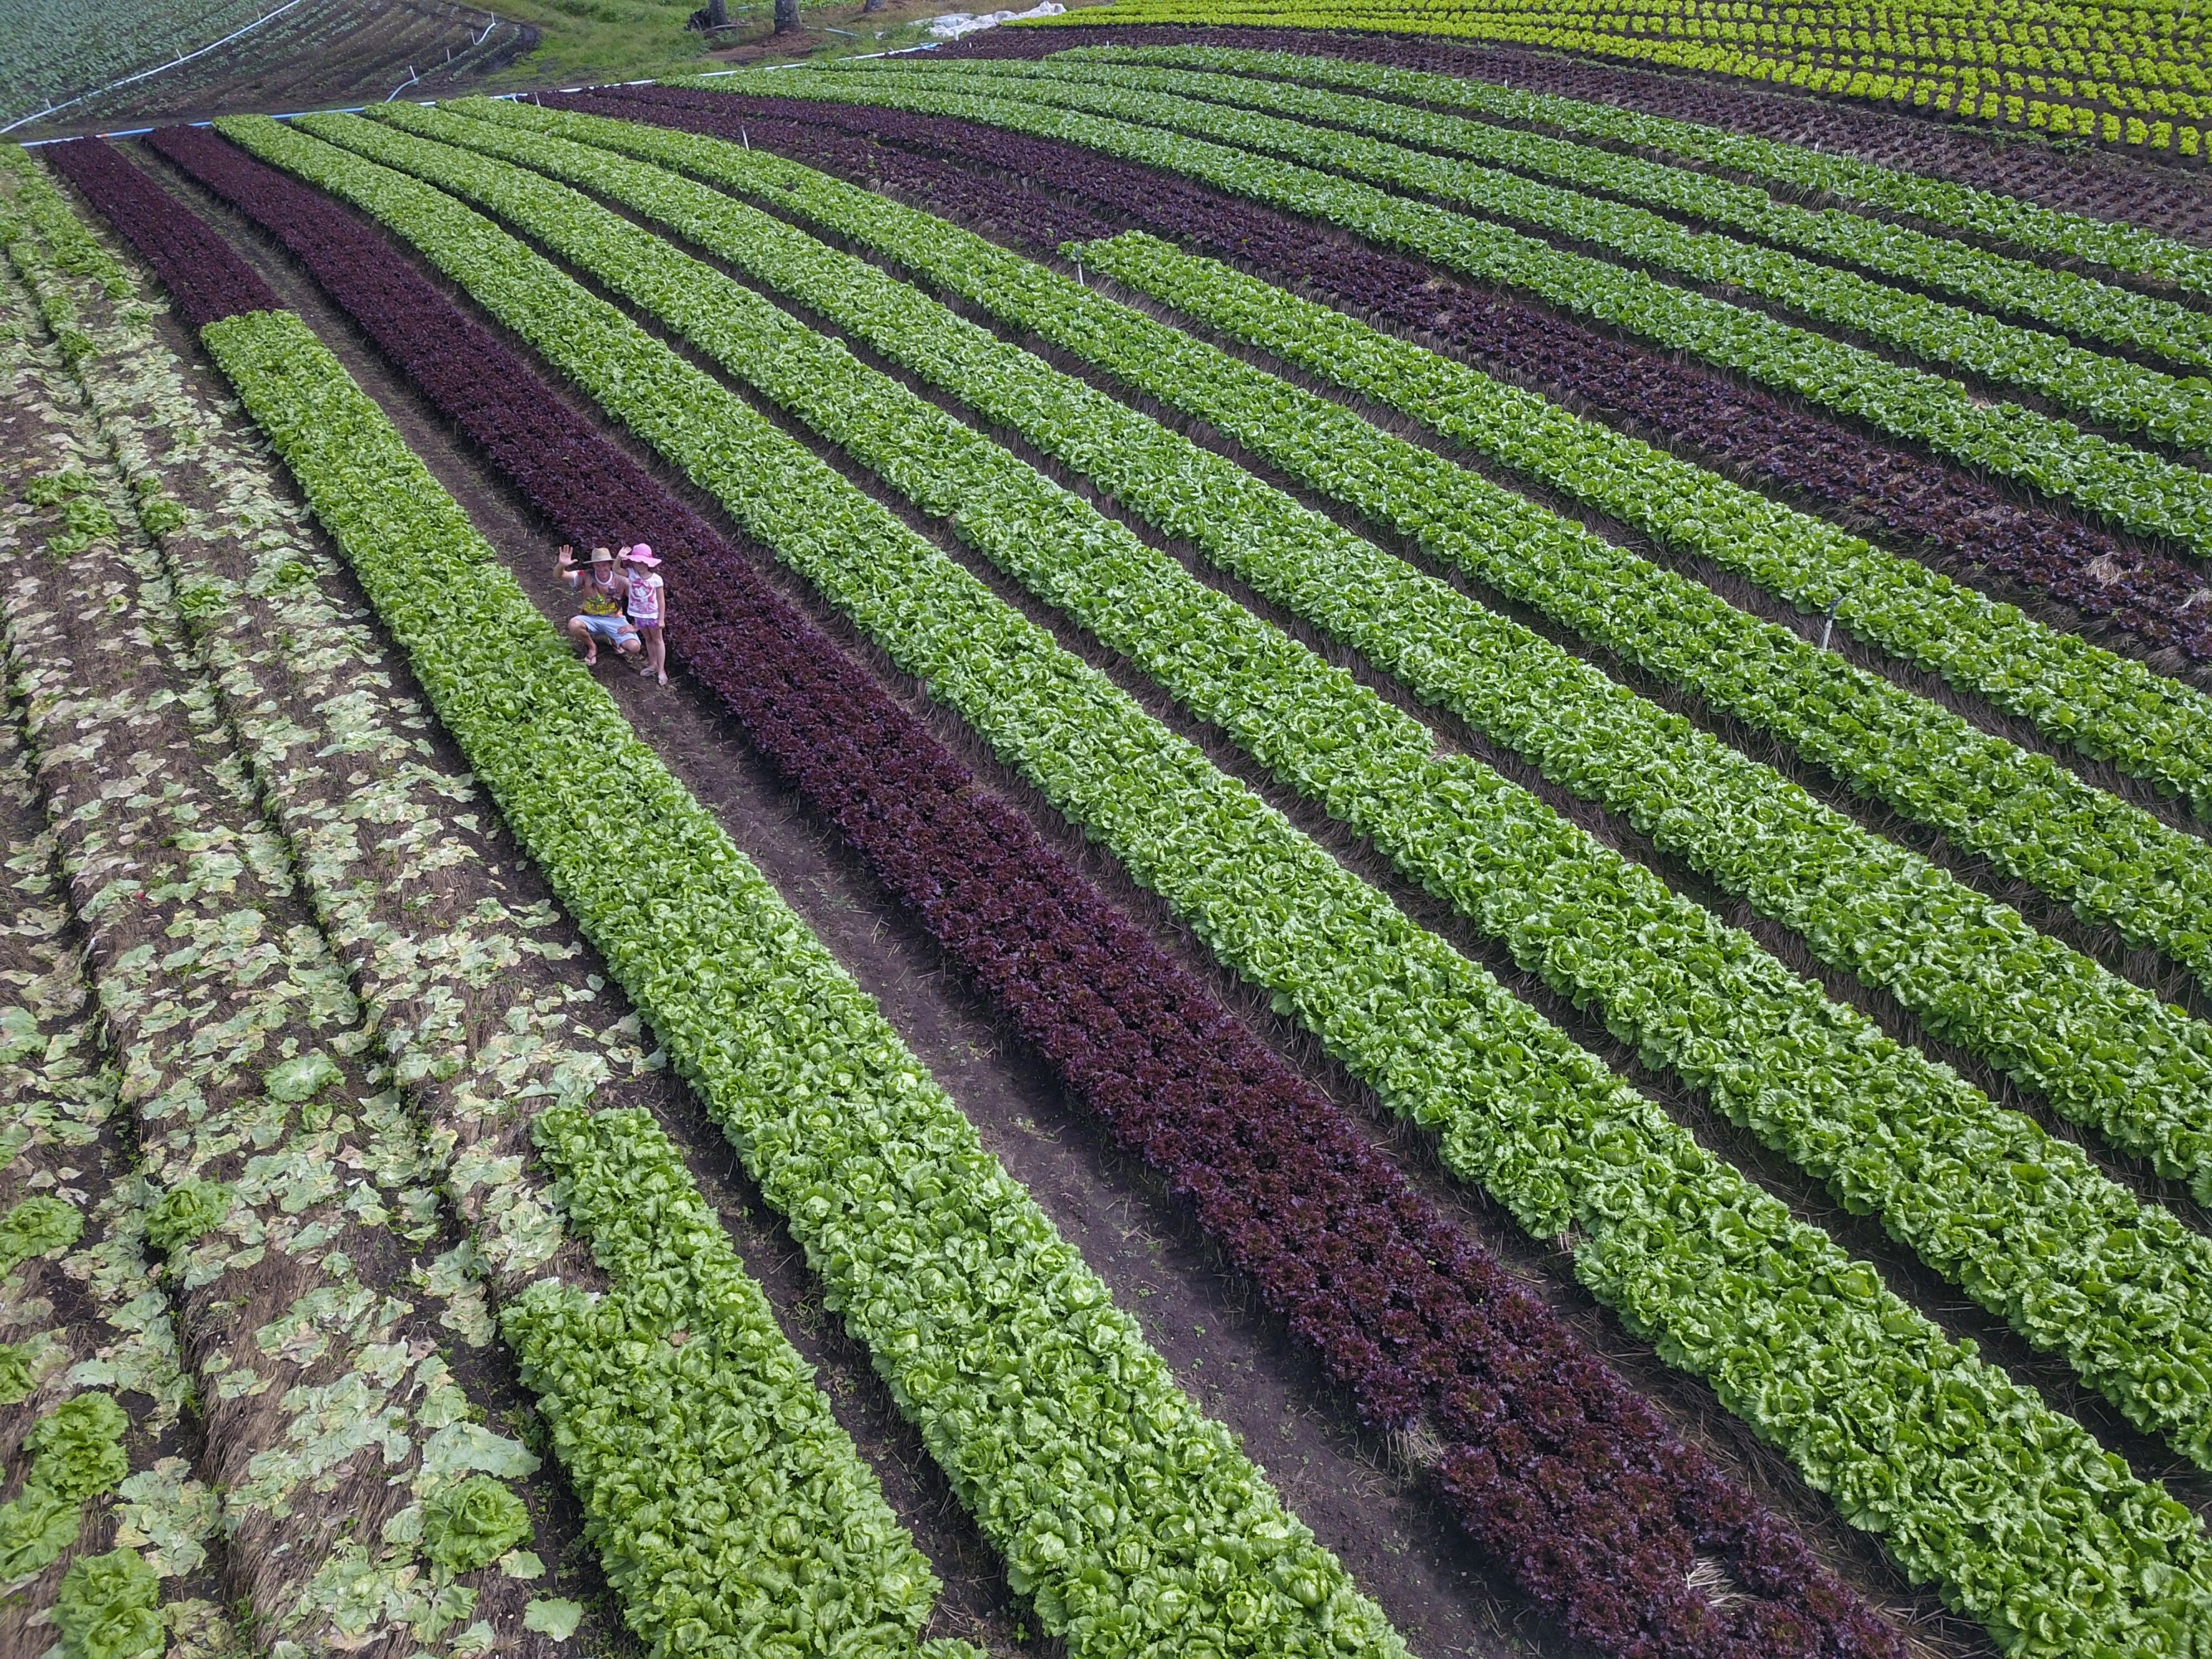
point(608, 630)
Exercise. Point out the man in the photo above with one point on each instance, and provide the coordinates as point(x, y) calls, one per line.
point(600, 621)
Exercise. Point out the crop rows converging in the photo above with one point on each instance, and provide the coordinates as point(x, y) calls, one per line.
point(1001, 885)
point(1426, 1026)
point(1455, 829)
point(1513, 791)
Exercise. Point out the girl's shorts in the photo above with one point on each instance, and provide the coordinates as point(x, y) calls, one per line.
point(609, 631)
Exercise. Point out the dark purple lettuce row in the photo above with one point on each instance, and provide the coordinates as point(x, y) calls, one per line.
point(206, 279)
point(1943, 513)
point(1559, 1471)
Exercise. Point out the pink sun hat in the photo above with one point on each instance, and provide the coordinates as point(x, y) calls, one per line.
point(640, 555)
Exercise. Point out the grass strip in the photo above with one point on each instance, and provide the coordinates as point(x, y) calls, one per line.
point(2003, 1502)
point(1132, 1521)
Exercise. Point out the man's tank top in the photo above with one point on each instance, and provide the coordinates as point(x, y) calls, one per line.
point(600, 600)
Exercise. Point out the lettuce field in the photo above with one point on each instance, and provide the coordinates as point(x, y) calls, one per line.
point(1428, 868)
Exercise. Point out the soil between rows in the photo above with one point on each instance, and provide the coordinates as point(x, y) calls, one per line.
point(1401, 1548)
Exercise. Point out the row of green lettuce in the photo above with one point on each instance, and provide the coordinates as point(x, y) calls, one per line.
point(2025, 1222)
point(732, 1511)
point(1868, 185)
point(1133, 1522)
point(2139, 491)
point(2113, 863)
point(741, 1375)
point(107, 1606)
point(2106, 388)
point(2107, 1052)
point(1973, 1481)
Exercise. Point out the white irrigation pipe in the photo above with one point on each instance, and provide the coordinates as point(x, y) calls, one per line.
point(55, 109)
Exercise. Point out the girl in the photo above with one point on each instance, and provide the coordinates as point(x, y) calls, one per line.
point(649, 608)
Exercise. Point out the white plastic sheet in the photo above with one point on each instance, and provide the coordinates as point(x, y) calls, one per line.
point(954, 24)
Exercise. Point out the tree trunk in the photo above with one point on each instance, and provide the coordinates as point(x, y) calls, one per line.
point(873, 5)
point(718, 13)
point(786, 16)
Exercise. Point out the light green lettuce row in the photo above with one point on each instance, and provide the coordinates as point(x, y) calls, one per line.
point(75, 1453)
point(734, 1515)
point(2142, 492)
point(1690, 993)
point(1972, 1481)
point(1868, 185)
point(2062, 300)
point(1134, 1522)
